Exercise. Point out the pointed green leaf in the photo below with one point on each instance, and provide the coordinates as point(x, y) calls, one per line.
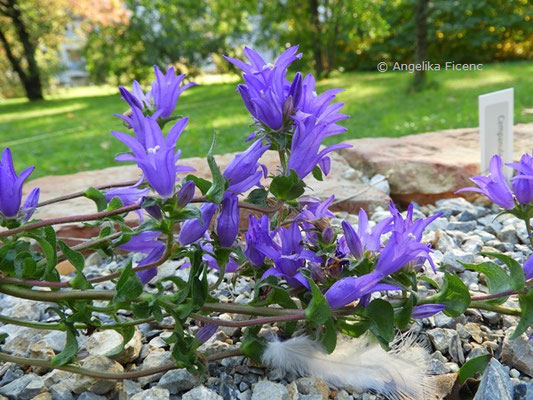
point(473, 366)
point(129, 285)
point(98, 197)
point(454, 295)
point(526, 316)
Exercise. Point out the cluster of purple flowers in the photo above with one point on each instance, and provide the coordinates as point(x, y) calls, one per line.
point(402, 249)
point(291, 108)
point(496, 187)
point(11, 190)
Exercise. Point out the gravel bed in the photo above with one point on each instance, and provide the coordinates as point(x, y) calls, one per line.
point(461, 233)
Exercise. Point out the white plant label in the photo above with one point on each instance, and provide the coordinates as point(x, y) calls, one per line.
point(496, 128)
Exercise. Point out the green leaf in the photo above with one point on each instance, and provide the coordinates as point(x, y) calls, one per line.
point(381, 313)
point(454, 295)
point(276, 295)
point(497, 278)
point(216, 191)
point(518, 279)
point(258, 196)
point(25, 265)
point(287, 187)
point(127, 333)
point(403, 315)
point(526, 316)
point(75, 257)
point(473, 366)
point(201, 183)
point(252, 345)
point(317, 173)
point(329, 336)
point(98, 197)
point(69, 352)
point(114, 203)
point(318, 309)
point(129, 285)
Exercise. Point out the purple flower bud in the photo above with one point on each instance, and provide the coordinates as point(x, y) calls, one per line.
point(205, 332)
point(328, 235)
point(194, 229)
point(228, 220)
point(186, 193)
point(11, 185)
point(426, 310)
point(30, 204)
point(349, 289)
point(352, 240)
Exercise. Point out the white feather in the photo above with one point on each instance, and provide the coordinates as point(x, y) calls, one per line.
point(357, 364)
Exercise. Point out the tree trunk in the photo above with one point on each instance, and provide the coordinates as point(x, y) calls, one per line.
point(317, 48)
point(31, 79)
point(421, 20)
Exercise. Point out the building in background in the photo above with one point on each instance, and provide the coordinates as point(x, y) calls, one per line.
point(72, 64)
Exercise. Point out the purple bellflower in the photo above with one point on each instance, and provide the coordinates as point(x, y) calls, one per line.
point(407, 225)
point(161, 98)
point(11, 189)
point(228, 220)
point(155, 155)
point(194, 229)
point(314, 208)
point(365, 239)
point(349, 289)
point(523, 181)
point(494, 186)
point(258, 233)
point(315, 119)
point(267, 94)
point(289, 255)
point(146, 242)
point(128, 195)
point(186, 193)
point(243, 172)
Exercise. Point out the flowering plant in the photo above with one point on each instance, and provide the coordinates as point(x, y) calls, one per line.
point(310, 274)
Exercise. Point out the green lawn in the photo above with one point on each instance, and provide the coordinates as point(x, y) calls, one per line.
point(70, 132)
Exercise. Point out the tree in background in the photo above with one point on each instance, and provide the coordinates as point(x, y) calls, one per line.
point(183, 33)
point(331, 32)
point(421, 43)
point(28, 30)
point(31, 32)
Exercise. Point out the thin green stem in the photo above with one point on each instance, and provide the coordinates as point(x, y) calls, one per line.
point(495, 307)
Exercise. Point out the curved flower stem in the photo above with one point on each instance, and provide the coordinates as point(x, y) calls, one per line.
point(61, 327)
point(81, 193)
point(110, 375)
point(495, 307)
point(504, 293)
point(66, 220)
point(252, 322)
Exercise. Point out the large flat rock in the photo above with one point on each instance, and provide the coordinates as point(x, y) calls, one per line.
point(351, 194)
point(427, 166)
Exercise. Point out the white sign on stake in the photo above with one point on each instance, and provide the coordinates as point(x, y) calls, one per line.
point(496, 128)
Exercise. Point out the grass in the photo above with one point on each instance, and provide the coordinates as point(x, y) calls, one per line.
point(69, 132)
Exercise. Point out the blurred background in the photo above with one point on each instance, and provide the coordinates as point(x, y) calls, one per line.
point(61, 60)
